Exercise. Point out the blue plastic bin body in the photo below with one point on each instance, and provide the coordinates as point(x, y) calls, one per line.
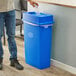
point(37, 39)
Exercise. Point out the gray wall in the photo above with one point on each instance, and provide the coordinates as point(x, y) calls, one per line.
point(64, 32)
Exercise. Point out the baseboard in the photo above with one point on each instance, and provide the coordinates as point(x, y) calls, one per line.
point(63, 66)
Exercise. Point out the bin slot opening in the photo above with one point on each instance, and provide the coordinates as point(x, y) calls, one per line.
point(31, 13)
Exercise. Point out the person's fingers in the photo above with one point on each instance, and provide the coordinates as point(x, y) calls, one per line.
point(35, 4)
point(32, 3)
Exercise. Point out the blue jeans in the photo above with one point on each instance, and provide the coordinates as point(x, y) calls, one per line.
point(8, 20)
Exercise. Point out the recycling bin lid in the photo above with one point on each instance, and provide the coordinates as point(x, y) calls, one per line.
point(38, 18)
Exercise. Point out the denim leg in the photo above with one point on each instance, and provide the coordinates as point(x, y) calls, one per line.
point(10, 23)
point(1, 33)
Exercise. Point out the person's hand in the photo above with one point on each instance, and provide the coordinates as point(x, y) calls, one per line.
point(34, 4)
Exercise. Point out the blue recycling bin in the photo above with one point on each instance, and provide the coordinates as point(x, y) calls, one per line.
point(37, 39)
